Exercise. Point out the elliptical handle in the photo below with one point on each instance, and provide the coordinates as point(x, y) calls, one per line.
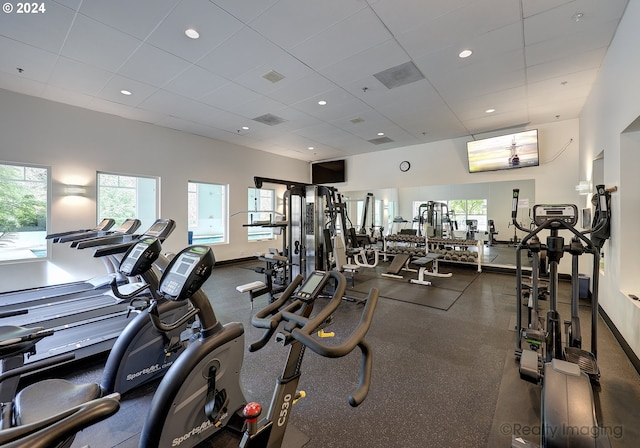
point(514, 205)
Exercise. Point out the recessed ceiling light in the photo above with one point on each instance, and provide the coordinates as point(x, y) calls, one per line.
point(246, 128)
point(191, 33)
point(465, 53)
point(322, 102)
point(311, 148)
point(125, 92)
point(381, 133)
point(490, 111)
point(577, 16)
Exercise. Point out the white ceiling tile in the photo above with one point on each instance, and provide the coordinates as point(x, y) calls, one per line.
point(400, 15)
point(372, 60)
point(290, 22)
point(302, 89)
point(137, 18)
point(530, 8)
point(46, 31)
point(244, 50)
point(351, 36)
point(82, 78)
point(565, 66)
point(21, 85)
point(36, 64)
point(285, 64)
point(96, 44)
point(598, 37)
point(65, 96)
point(460, 26)
point(117, 83)
point(153, 66)
point(214, 25)
point(246, 10)
point(195, 82)
point(229, 95)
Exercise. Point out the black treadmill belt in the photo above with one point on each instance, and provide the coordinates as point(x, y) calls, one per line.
point(89, 337)
point(66, 311)
point(28, 295)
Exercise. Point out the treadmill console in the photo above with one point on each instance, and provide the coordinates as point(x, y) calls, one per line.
point(187, 272)
point(566, 213)
point(313, 285)
point(140, 257)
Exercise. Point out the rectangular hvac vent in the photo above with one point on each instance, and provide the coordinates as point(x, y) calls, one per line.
point(273, 76)
point(356, 120)
point(399, 75)
point(269, 119)
point(380, 141)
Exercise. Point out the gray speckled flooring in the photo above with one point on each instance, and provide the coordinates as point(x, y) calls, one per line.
point(441, 378)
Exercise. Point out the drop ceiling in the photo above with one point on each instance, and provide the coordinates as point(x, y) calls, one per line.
point(533, 62)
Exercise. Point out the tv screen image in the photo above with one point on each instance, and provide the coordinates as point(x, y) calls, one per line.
point(505, 152)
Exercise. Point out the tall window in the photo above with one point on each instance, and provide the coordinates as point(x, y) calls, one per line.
point(207, 212)
point(128, 197)
point(24, 204)
point(261, 207)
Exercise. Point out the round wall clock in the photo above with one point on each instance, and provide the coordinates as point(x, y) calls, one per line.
point(404, 166)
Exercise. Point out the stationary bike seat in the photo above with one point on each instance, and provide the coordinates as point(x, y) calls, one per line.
point(49, 397)
point(10, 332)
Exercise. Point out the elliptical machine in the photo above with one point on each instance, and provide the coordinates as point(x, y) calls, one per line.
point(568, 412)
point(200, 395)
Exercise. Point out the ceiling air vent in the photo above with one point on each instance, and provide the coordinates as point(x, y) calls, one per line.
point(269, 119)
point(399, 75)
point(380, 141)
point(273, 76)
point(356, 120)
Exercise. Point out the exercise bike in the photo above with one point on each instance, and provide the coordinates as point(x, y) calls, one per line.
point(50, 412)
point(143, 353)
point(200, 397)
point(568, 411)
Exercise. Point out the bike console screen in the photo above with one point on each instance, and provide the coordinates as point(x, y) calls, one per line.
point(187, 272)
point(312, 287)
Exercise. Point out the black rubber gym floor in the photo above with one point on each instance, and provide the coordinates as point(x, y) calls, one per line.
point(444, 376)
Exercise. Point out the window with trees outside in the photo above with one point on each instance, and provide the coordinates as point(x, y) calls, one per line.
point(207, 213)
point(122, 197)
point(261, 208)
point(24, 207)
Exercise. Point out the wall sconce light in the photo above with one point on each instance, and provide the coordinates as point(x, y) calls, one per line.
point(75, 190)
point(584, 187)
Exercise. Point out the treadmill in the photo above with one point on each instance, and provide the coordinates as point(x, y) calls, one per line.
point(14, 300)
point(89, 326)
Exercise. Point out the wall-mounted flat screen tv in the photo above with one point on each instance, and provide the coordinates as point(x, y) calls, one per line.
point(328, 172)
point(505, 152)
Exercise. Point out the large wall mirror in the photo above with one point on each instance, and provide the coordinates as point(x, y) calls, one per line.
point(484, 203)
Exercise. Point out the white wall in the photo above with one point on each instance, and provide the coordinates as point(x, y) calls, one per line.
point(613, 105)
point(76, 143)
point(445, 163)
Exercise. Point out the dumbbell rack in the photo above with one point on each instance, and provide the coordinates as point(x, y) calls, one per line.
point(419, 246)
point(463, 256)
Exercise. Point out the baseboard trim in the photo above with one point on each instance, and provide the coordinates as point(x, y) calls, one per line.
point(635, 361)
point(235, 260)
